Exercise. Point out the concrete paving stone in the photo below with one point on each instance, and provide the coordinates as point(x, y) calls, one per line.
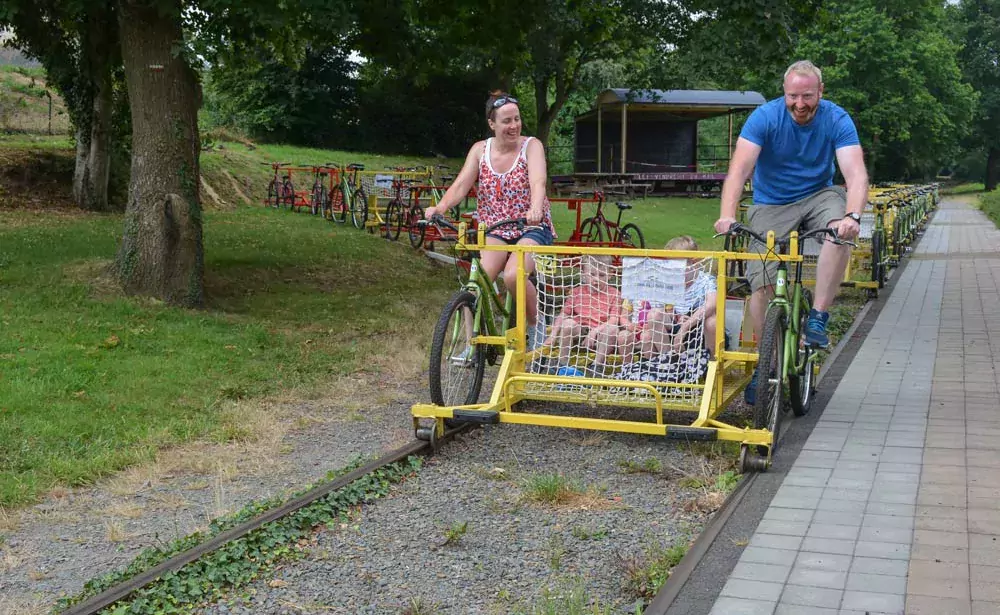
point(795, 502)
point(943, 495)
point(815, 577)
point(930, 605)
point(894, 510)
point(798, 491)
point(823, 561)
point(985, 608)
point(888, 521)
point(886, 534)
point(984, 497)
point(824, 444)
point(922, 569)
point(898, 454)
point(914, 441)
point(957, 555)
point(887, 550)
point(846, 494)
point(906, 468)
point(899, 478)
point(944, 457)
point(763, 555)
point(880, 566)
point(737, 606)
point(872, 601)
point(775, 513)
point(786, 528)
point(983, 477)
point(985, 582)
point(828, 545)
point(983, 458)
point(752, 590)
point(812, 596)
point(851, 484)
point(977, 441)
point(863, 582)
point(755, 571)
point(943, 475)
point(946, 440)
point(864, 468)
point(839, 532)
point(905, 494)
point(798, 609)
point(838, 518)
point(941, 539)
point(867, 474)
point(773, 541)
point(942, 524)
point(835, 505)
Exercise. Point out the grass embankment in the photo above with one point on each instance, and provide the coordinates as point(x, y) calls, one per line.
point(989, 202)
point(965, 188)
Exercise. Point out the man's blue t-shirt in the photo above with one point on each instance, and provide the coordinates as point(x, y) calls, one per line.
point(795, 161)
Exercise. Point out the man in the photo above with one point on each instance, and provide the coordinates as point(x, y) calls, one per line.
point(790, 144)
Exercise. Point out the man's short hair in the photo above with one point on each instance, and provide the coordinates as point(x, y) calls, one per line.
point(805, 68)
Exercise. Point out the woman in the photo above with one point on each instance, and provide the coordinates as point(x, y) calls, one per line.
point(511, 173)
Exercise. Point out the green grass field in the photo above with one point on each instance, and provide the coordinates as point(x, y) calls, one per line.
point(93, 381)
point(989, 202)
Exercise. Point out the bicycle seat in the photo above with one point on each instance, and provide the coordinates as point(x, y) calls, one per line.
point(623, 206)
point(356, 167)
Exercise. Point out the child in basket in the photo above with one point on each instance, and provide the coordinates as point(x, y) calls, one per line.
point(591, 315)
point(689, 323)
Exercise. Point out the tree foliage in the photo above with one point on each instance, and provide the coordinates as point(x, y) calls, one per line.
point(891, 65)
point(979, 29)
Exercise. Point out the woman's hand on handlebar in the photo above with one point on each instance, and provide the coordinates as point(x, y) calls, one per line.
point(430, 212)
point(535, 215)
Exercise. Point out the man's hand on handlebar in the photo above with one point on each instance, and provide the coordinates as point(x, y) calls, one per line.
point(847, 228)
point(722, 225)
point(430, 212)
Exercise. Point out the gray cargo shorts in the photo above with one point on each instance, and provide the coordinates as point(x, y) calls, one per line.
point(815, 211)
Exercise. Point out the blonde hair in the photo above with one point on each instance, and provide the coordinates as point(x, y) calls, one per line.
point(682, 242)
point(805, 68)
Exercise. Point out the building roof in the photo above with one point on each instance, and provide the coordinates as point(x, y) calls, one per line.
point(682, 98)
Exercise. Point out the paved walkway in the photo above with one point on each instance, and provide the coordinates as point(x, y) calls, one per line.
point(893, 505)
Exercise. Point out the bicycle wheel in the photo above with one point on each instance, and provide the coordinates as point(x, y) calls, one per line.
point(456, 372)
point(768, 410)
point(338, 206)
point(800, 383)
point(288, 194)
point(272, 194)
point(591, 231)
point(316, 200)
point(393, 220)
point(359, 208)
point(878, 258)
point(631, 236)
point(414, 230)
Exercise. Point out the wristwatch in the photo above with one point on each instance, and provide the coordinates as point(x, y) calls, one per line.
point(854, 216)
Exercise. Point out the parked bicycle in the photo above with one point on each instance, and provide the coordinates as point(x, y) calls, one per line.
point(785, 360)
point(280, 190)
point(598, 229)
point(351, 196)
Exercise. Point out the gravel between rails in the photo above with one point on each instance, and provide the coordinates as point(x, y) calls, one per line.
point(391, 557)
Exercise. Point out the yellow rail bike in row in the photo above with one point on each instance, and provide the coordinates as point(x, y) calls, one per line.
point(615, 328)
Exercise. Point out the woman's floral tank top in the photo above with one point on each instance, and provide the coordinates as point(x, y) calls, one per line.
point(502, 196)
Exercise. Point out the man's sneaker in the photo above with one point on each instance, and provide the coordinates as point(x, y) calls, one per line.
point(750, 393)
point(816, 329)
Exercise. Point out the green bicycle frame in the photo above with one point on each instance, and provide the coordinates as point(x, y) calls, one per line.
point(481, 286)
point(793, 311)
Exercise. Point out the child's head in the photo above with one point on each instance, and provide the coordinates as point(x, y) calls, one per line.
point(595, 270)
point(687, 244)
point(682, 242)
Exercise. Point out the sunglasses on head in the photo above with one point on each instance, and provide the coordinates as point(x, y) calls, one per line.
point(503, 100)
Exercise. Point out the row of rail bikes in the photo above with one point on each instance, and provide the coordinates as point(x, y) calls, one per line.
point(336, 192)
point(625, 336)
point(890, 222)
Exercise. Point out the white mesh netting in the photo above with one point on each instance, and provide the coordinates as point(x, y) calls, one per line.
point(637, 319)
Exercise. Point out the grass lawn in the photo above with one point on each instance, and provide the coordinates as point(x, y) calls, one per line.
point(989, 202)
point(91, 381)
point(966, 188)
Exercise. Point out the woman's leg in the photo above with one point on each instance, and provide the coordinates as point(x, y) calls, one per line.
point(510, 273)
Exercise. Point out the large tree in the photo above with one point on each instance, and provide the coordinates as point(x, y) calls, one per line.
point(980, 61)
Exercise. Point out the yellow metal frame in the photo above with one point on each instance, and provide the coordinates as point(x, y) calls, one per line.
point(728, 372)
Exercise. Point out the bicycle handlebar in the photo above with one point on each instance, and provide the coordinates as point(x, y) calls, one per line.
point(439, 220)
point(738, 229)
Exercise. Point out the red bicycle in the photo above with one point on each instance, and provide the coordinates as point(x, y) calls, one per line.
point(598, 229)
point(280, 190)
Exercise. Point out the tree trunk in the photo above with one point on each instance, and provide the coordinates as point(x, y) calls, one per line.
point(161, 253)
point(80, 171)
point(992, 168)
point(95, 193)
point(547, 113)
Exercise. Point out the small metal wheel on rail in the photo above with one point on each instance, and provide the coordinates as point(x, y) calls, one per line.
point(429, 434)
point(750, 461)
